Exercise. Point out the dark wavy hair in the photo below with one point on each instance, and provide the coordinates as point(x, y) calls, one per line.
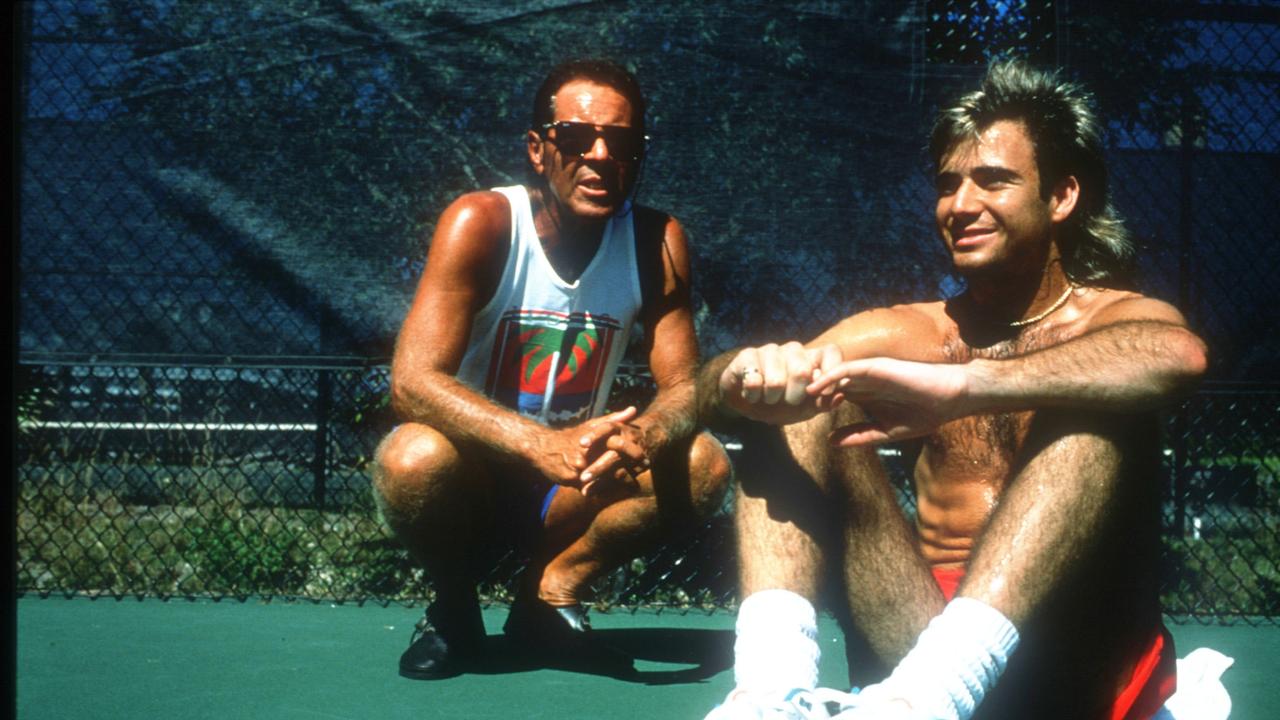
point(1096, 248)
point(598, 70)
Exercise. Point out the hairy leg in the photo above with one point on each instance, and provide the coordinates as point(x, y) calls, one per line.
point(435, 502)
point(586, 536)
point(890, 590)
point(1070, 556)
point(1063, 509)
point(787, 532)
point(783, 515)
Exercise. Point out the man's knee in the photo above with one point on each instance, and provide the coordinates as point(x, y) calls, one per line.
point(710, 472)
point(1086, 436)
point(408, 463)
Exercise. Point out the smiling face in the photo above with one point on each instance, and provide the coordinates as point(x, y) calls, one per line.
point(591, 186)
point(990, 210)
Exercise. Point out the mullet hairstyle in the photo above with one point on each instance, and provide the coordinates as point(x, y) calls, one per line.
point(1095, 246)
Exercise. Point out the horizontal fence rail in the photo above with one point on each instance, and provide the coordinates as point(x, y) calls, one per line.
point(231, 497)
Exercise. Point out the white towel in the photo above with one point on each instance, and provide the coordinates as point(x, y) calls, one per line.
point(1200, 695)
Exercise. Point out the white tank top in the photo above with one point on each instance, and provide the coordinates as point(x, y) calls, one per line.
point(547, 348)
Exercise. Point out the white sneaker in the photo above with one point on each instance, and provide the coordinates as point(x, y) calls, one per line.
point(867, 705)
point(794, 704)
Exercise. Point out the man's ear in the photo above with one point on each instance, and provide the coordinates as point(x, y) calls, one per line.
point(1064, 198)
point(534, 144)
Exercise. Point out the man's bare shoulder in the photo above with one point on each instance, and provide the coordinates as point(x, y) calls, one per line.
point(652, 224)
point(475, 228)
point(900, 331)
point(470, 245)
point(486, 212)
point(1098, 307)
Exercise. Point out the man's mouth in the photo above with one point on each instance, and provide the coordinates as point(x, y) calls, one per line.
point(594, 186)
point(971, 236)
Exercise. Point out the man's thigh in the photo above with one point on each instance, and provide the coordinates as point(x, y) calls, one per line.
point(1100, 609)
point(420, 473)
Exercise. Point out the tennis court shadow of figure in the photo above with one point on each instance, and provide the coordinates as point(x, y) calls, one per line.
point(704, 653)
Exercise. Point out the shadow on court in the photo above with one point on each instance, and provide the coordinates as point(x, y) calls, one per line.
point(707, 652)
point(202, 660)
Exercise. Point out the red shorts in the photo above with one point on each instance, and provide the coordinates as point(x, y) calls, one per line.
point(1155, 676)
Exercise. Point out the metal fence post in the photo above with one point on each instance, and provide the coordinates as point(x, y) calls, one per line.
point(320, 459)
point(1186, 185)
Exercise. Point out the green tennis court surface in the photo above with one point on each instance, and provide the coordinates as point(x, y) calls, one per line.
point(82, 658)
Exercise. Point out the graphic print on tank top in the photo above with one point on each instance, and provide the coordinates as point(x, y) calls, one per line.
point(550, 365)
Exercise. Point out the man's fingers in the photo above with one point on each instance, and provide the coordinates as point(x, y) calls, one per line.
point(751, 372)
point(621, 454)
point(594, 432)
point(829, 357)
point(841, 377)
point(629, 449)
point(626, 414)
point(743, 376)
point(773, 365)
point(771, 373)
point(575, 460)
point(602, 467)
point(859, 434)
point(602, 427)
point(799, 369)
point(617, 483)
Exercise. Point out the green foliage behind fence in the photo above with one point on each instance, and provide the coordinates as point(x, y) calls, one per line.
point(224, 210)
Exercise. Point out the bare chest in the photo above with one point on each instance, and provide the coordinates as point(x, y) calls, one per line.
point(980, 449)
point(983, 449)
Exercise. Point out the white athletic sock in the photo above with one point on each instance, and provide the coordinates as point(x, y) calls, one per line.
point(777, 644)
point(955, 662)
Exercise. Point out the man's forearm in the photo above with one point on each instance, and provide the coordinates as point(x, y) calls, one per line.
point(672, 416)
point(710, 410)
point(464, 415)
point(1126, 367)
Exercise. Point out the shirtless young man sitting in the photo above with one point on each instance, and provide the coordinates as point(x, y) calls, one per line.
point(1032, 393)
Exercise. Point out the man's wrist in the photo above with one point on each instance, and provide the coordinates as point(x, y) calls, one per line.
point(527, 445)
point(981, 388)
point(660, 430)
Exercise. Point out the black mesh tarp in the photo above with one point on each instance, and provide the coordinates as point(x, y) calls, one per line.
point(248, 189)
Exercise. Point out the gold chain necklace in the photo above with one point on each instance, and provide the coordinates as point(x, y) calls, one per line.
point(1051, 309)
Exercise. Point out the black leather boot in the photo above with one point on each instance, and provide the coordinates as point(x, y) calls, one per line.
point(449, 635)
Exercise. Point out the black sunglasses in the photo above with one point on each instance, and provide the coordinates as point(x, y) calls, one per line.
point(575, 138)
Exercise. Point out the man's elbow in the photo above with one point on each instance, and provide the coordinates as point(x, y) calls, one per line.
point(402, 396)
point(1190, 358)
point(397, 398)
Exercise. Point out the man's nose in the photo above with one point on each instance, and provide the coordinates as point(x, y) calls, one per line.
point(966, 199)
point(599, 149)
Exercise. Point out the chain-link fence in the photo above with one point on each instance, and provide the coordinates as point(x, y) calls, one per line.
point(222, 213)
point(239, 481)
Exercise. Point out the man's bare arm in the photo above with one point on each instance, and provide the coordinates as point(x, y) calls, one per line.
point(463, 266)
point(1123, 367)
point(1129, 366)
point(708, 400)
point(670, 344)
point(770, 383)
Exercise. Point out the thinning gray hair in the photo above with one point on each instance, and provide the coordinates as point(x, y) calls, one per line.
point(1095, 245)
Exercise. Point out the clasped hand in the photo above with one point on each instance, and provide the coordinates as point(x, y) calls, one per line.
point(609, 448)
point(783, 384)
